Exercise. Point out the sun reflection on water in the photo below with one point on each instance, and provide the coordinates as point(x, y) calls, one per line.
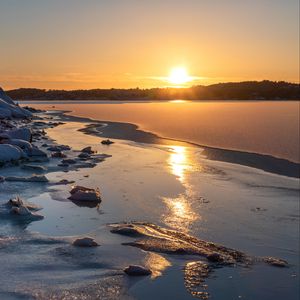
point(178, 162)
point(180, 214)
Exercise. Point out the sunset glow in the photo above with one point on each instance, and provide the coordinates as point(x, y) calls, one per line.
point(179, 75)
point(129, 44)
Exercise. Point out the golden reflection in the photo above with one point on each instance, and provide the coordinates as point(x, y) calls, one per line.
point(156, 263)
point(178, 162)
point(178, 101)
point(180, 214)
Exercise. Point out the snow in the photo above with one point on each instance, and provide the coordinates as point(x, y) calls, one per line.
point(10, 153)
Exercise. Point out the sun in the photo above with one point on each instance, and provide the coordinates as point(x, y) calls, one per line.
point(179, 75)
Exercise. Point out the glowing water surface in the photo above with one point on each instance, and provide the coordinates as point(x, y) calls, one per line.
point(267, 127)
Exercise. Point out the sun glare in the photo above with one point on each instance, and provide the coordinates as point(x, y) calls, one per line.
point(178, 76)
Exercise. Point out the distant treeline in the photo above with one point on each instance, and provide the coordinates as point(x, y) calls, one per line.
point(249, 90)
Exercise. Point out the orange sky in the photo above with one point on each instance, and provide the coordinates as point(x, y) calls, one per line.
point(74, 44)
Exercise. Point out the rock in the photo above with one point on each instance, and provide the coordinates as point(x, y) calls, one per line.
point(80, 188)
point(80, 193)
point(88, 150)
point(126, 230)
point(18, 202)
point(34, 178)
point(25, 212)
point(19, 207)
point(86, 165)
point(65, 181)
point(69, 161)
point(84, 155)
point(85, 242)
point(276, 262)
point(2, 179)
point(59, 148)
point(58, 154)
point(107, 142)
point(9, 109)
point(135, 270)
point(24, 145)
point(35, 168)
point(10, 153)
point(5, 113)
point(36, 152)
point(20, 134)
point(215, 257)
point(6, 98)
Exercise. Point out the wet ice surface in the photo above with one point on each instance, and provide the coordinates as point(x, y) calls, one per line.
point(173, 187)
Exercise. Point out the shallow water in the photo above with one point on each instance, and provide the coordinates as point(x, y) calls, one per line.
point(270, 127)
point(172, 186)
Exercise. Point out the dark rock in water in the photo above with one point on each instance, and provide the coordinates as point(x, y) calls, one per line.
point(18, 202)
point(83, 194)
point(69, 161)
point(85, 242)
point(58, 154)
point(134, 270)
point(65, 181)
point(83, 155)
point(59, 148)
point(276, 262)
point(2, 178)
point(77, 188)
point(126, 230)
point(215, 257)
point(88, 150)
point(107, 142)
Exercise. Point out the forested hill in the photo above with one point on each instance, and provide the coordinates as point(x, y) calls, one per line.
point(249, 90)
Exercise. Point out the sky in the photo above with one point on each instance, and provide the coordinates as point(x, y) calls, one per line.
point(83, 44)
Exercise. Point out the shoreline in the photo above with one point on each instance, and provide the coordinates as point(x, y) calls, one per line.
point(130, 131)
point(102, 267)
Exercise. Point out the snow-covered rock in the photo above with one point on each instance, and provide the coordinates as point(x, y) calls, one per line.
point(23, 211)
point(9, 109)
point(24, 145)
point(10, 153)
point(18, 202)
point(5, 113)
point(34, 151)
point(16, 111)
point(5, 97)
point(18, 133)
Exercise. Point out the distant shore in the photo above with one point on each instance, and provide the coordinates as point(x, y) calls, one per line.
point(248, 90)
